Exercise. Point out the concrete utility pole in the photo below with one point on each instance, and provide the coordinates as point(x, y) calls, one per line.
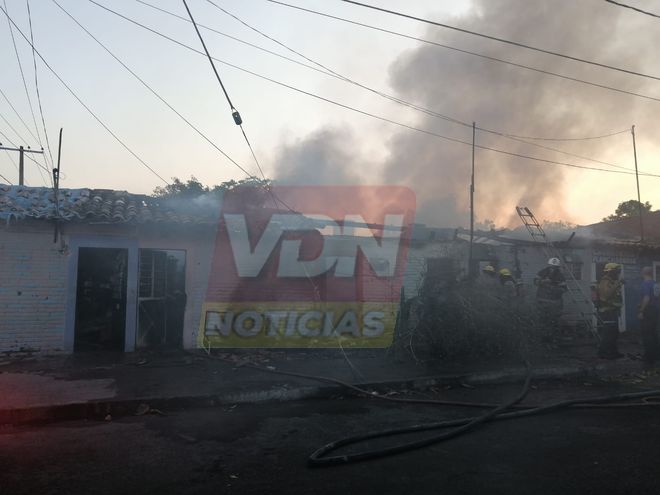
point(639, 197)
point(470, 261)
point(21, 161)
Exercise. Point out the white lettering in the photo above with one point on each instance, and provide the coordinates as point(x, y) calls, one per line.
point(373, 326)
point(348, 324)
point(251, 331)
point(304, 330)
point(340, 254)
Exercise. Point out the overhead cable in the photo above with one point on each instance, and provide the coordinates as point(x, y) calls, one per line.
point(633, 8)
point(362, 112)
point(36, 84)
point(84, 105)
point(153, 91)
point(476, 54)
point(502, 40)
point(419, 108)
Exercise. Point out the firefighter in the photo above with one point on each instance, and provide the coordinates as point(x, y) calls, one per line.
point(488, 276)
point(551, 286)
point(508, 283)
point(610, 301)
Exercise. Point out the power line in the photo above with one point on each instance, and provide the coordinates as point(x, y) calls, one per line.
point(27, 92)
point(2, 93)
point(98, 119)
point(235, 114)
point(468, 52)
point(146, 85)
point(405, 103)
point(502, 40)
point(362, 112)
point(36, 83)
point(6, 180)
point(7, 139)
point(633, 8)
point(20, 137)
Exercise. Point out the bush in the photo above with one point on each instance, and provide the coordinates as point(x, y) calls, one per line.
point(465, 322)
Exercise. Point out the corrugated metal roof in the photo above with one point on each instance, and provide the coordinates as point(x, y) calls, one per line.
point(103, 206)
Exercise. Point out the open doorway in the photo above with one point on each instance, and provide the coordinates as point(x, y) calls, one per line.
point(100, 319)
point(162, 298)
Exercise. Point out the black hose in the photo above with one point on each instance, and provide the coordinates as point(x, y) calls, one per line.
point(317, 459)
point(464, 425)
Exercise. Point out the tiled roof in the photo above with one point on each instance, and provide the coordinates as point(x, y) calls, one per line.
point(103, 205)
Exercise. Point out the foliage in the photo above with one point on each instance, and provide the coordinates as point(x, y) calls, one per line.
point(628, 209)
point(193, 188)
point(558, 226)
point(466, 322)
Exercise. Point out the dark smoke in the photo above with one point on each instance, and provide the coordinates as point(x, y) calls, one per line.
point(324, 157)
point(505, 98)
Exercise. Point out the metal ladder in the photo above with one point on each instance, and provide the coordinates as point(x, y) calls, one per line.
point(575, 291)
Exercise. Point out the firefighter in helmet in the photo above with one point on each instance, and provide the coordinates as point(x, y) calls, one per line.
point(551, 285)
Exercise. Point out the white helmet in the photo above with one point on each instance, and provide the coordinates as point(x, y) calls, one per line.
point(554, 262)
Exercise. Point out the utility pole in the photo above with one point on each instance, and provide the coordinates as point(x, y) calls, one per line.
point(21, 160)
point(56, 189)
point(639, 197)
point(470, 261)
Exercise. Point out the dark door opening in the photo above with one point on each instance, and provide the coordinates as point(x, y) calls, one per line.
point(162, 298)
point(101, 299)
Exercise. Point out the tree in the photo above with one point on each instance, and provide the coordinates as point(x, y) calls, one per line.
point(628, 209)
point(193, 188)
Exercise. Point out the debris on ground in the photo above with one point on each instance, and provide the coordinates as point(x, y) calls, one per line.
point(143, 409)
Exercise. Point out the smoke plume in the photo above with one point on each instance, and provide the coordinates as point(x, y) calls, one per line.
point(505, 98)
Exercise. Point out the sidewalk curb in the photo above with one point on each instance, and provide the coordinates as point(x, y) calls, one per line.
point(117, 407)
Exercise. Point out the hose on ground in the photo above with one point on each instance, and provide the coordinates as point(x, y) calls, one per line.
point(320, 458)
point(406, 400)
point(317, 458)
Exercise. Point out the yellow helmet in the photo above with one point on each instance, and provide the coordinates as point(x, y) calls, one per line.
point(610, 267)
point(505, 272)
point(489, 268)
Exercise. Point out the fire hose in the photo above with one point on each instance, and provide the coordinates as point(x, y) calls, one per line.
point(320, 457)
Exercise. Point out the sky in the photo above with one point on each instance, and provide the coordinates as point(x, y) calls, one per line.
point(301, 139)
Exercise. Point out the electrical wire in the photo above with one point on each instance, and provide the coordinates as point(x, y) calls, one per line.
point(365, 113)
point(476, 54)
point(235, 114)
point(501, 40)
point(27, 92)
point(6, 180)
point(79, 100)
point(146, 85)
point(27, 155)
point(36, 85)
point(24, 123)
point(405, 103)
point(633, 8)
point(20, 137)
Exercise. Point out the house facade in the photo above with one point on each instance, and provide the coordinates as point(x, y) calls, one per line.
point(102, 270)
